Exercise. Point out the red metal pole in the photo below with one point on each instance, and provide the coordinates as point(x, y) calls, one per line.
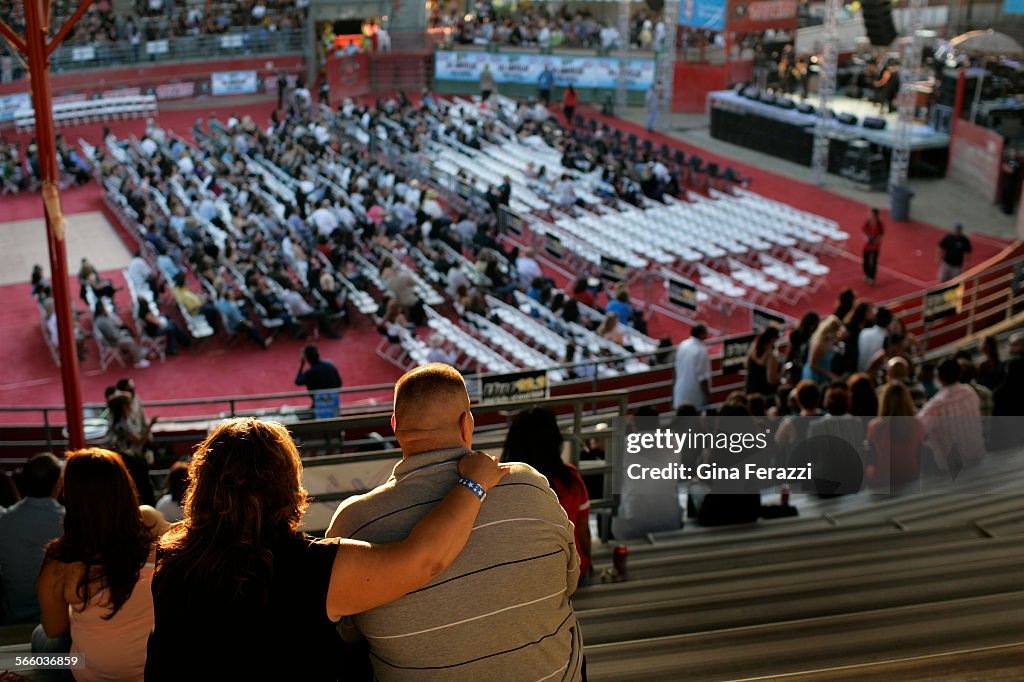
point(42, 103)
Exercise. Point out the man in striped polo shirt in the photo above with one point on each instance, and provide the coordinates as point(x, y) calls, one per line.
point(501, 611)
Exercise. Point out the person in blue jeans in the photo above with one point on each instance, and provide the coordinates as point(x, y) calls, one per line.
point(545, 83)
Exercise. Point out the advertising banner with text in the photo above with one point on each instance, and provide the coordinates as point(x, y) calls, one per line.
point(525, 69)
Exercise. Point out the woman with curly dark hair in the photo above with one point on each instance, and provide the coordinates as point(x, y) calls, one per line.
point(95, 579)
point(242, 593)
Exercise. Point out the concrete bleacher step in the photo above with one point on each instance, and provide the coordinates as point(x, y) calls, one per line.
point(806, 594)
point(951, 510)
point(692, 581)
point(738, 554)
point(917, 504)
point(813, 643)
point(993, 664)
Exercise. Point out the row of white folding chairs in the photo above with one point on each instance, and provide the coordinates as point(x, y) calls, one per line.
point(580, 334)
point(641, 343)
point(827, 228)
point(645, 237)
point(482, 354)
point(83, 111)
point(552, 342)
point(783, 232)
point(599, 242)
point(510, 345)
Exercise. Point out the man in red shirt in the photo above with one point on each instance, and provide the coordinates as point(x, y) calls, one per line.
point(873, 232)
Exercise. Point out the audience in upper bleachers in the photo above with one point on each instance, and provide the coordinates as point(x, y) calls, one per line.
point(536, 26)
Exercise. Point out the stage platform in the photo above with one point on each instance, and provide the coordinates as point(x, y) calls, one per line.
point(785, 132)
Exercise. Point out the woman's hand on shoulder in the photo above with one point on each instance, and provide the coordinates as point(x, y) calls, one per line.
point(483, 468)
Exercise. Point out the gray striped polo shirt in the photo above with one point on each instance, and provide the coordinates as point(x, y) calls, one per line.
point(501, 611)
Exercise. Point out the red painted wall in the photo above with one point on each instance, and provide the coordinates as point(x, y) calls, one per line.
point(692, 82)
point(143, 76)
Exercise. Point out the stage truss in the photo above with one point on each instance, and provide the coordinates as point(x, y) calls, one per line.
point(910, 74)
point(827, 64)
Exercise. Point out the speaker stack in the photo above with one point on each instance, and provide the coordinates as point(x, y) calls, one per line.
point(878, 21)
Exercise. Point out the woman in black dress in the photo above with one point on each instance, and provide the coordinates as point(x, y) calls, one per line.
point(240, 593)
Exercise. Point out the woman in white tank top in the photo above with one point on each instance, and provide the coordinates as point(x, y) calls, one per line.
point(95, 580)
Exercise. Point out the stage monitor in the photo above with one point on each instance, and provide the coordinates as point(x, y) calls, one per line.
point(873, 123)
point(847, 119)
point(806, 108)
point(785, 103)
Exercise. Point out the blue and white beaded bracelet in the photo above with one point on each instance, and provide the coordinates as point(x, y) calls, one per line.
point(474, 488)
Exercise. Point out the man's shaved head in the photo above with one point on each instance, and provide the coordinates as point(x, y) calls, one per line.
point(432, 409)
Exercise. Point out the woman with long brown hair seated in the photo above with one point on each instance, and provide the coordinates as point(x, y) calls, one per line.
point(95, 578)
point(241, 593)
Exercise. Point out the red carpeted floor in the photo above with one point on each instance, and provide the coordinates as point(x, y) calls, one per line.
point(30, 377)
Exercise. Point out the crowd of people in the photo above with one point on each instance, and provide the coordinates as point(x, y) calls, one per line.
point(19, 165)
point(539, 27)
point(123, 35)
point(857, 374)
point(119, 582)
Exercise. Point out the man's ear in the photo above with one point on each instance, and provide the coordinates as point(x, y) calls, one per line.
point(466, 424)
point(392, 421)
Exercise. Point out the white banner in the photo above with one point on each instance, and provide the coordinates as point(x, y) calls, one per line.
point(231, 41)
point(157, 47)
point(175, 90)
point(12, 103)
point(582, 72)
point(83, 53)
point(233, 83)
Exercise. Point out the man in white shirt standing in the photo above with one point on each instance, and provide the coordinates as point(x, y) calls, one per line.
point(871, 339)
point(693, 370)
point(528, 268)
point(324, 219)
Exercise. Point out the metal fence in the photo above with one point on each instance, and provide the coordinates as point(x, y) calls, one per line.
point(183, 49)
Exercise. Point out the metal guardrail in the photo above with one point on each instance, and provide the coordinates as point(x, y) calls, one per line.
point(240, 43)
point(578, 424)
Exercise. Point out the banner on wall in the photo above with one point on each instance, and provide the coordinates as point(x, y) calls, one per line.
point(175, 90)
point(734, 353)
point(682, 293)
point(233, 83)
point(348, 76)
point(943, 302)
point(12, 103)
point(525, 69)
point(527, 385)
point(976, 158)
point(761, 319)
point(754, 16)
point(706, 14)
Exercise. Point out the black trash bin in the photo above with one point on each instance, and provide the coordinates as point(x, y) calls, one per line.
point(900, 207)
